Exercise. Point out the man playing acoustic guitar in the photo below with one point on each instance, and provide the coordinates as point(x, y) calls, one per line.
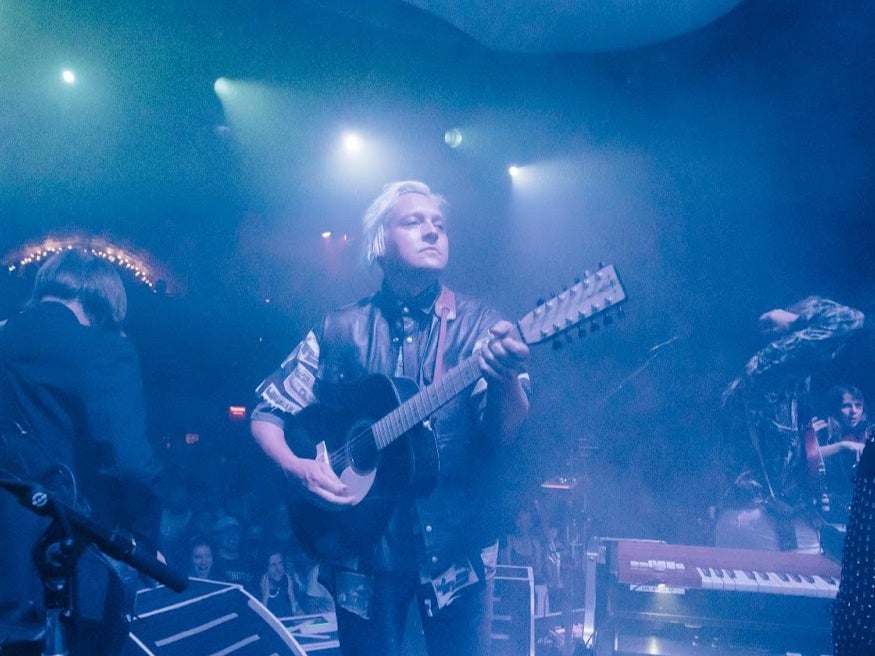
point(411, 520)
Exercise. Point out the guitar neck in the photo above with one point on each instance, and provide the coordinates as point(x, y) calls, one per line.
point(598, 293)
point(425, 403)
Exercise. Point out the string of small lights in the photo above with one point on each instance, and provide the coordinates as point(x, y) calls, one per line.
point(124, 258)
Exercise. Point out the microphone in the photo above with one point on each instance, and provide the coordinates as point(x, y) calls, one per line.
point(125, 548)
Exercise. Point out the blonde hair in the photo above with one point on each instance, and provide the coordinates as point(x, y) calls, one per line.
point(374, 218)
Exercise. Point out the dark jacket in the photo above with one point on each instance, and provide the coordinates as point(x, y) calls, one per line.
point(455, 518)
point(72, 419)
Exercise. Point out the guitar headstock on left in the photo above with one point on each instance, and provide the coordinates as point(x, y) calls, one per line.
point(598, 296)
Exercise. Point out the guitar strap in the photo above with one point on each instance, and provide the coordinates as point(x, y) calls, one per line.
point(445, 308)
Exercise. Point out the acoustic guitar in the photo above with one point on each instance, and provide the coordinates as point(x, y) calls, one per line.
point(373, 436)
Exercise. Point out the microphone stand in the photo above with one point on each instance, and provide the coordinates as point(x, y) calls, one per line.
point(57, 552)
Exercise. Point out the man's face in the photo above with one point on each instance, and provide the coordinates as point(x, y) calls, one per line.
point(851, 411)
point(415, 235)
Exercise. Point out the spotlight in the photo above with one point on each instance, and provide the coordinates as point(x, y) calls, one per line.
point(68, 76)
point(513, 171)
point(453, 138)
point(326, 234)
point(352, 142)
point(221, 86)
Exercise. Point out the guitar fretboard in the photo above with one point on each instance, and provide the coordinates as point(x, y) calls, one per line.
point(423, 404)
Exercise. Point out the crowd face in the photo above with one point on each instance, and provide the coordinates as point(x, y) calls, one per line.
point(201, 561)
point(850, 411)
point(276, 567)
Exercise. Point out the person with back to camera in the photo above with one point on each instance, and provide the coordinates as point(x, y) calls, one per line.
point(73, 421)
point(436, 544)
point(771, 504)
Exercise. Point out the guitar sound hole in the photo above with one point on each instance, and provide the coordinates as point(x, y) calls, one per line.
point(362, 452)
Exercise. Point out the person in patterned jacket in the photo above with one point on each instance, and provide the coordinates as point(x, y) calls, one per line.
point(770, 504)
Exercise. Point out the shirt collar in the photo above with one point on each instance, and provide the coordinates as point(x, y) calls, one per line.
point(424, 301)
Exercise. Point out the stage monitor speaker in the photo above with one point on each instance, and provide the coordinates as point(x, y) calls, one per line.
point(209, 617)
point(513, 612)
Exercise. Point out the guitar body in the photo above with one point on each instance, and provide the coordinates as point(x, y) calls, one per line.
point(340, 431)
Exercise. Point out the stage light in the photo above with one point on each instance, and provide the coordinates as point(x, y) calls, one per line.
point(453, 138)
point(513, 171)
point(352, 142)
point(222, 86)
point(68, 76)
point(326, 234)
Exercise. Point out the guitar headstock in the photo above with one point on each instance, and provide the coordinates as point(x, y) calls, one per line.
point(597, 295)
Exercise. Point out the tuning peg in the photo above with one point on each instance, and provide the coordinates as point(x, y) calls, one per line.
point(602, 265)
point(540, 302)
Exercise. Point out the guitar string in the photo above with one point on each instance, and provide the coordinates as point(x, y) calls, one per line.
point(406, 414)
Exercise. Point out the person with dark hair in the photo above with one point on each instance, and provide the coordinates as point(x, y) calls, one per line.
point(432, 540)
point(72, 419)
point(771, 503)
point(278, 587)
point(847, 422)
point(200, 558)
point(840, 440)
point(230, 562)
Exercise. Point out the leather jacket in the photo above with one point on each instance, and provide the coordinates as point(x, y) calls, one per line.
point(383, 335)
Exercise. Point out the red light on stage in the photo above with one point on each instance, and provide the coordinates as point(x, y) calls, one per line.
point(237, 412)
point(192, 438)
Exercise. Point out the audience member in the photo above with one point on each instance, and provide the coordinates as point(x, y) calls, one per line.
point(229, 562)
point(523, 548)
point(176, 516)
point(278, 588)
point(201, 559)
